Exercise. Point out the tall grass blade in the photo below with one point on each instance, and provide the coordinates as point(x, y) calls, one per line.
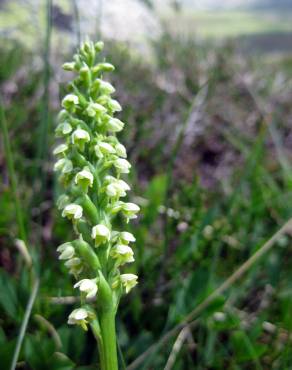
point(12, 174)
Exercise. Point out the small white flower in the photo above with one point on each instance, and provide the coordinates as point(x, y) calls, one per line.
point(67, 251)
point(84, 178)
point(80, 137)
point(122, 165)
point(100, 233)
point(111, 190)
point(121, 150)
point(115, 125)
point(62, 201)
point(72, 211)
point(64, 165)
point(114, 105)
point(103, 148)
point(70, 101)
point(95, 109)
point(117, 188)
point(87, 286)
point(128, 281)
point(63, 129)
point(127, 237)
point(129, 210)
point(106, 87)
point(123, 254)
point(74, 265)
point(60, 149)
point(79, 316)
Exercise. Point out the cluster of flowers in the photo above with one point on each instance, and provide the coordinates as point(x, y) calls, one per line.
point(90, 162)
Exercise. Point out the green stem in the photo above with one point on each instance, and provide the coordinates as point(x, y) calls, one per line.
point(106, 317)
point(108, 334)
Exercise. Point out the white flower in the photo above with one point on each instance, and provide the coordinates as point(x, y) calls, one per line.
point(95, 109)
point(127, 237)
point(67, 251)
point(128, 281)
point(105, 87)
point(62, 201)
point(129, 210)
point(74, 265)
point(79, 317)
point(63, 129)
point(70, 101)
point(117, 188)
point(123, 254)
point(121, 150)
point(64, 165)
point(100, 233)
point(84, 178)
point(114, 105)
point(115, 125)
point(60, 149)
point(103, 148)
point(80, 137)
point(87, 286)
point(111, 190)
point(122, 165)
point(72, 211)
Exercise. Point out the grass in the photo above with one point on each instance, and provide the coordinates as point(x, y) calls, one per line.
point(228, 190)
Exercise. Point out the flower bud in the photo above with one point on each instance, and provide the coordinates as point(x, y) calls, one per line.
point(98, 46)
point(128, 281)
point(72, 211)
point(122, 165)
point(69, 102)
point(85, 75)
point(80, 317)
point(101, 234)
point(63, 165)
point(80, 137)
point(87, 286)
point(69, 66)
point(104, 67)
point(121, 150)
point(114, 125)
point(84, 178)
point(122, 254)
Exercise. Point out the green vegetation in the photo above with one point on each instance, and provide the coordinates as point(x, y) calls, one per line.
point(209, 138)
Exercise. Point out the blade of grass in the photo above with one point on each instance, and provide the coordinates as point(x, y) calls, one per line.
point(190, 319)
point(12, 174)
point(24, 323)
point(42, 149)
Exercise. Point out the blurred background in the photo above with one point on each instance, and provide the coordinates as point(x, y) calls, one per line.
point(206, 95)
